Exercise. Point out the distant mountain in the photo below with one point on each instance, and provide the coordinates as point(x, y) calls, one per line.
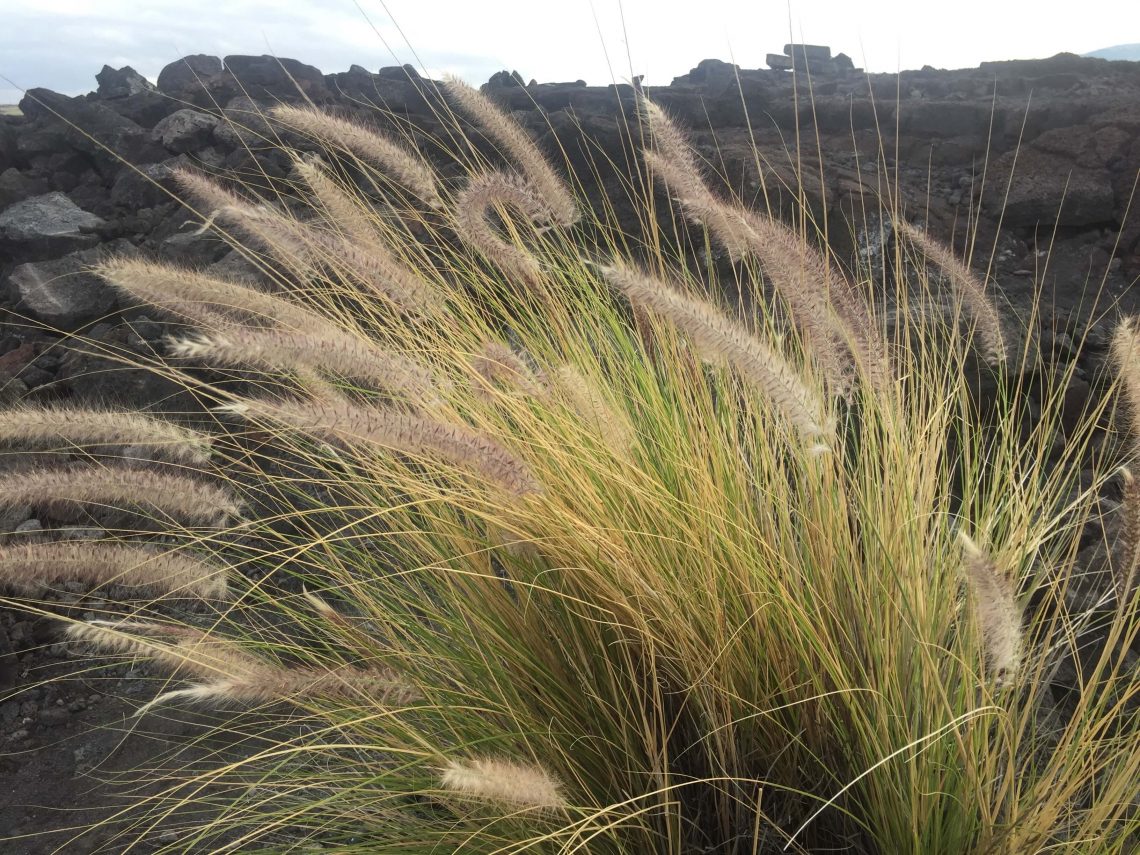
point(1131, 52)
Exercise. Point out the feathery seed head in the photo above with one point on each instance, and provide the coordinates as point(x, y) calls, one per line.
point(995, 606)
point(414, 435)
point(342, 208)
point(498, 363)
point(232, 674)
point(550, 188)
point(1126, 569)
point(150, 492)
point(270, 228)
point(471, 217)
point(41, 426)
point(28, 567)
point(837, 327)
point(203, 299)
point(505, 782)
point(969, 287)
point(591, 405)
point(1126, 355)
point(674, 162)
point(405, 166)
point(720, 339)
point(334, 354)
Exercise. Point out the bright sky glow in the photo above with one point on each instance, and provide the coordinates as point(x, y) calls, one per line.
point(61, 44)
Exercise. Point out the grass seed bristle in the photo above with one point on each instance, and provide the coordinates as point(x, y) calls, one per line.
point(505, 782)
point(396, 160)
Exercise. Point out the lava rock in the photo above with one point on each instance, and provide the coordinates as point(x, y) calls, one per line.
point(92, 127)
point(713, 70)
point(277, 79)
point(185, 76)
point(121, 83)
point(504, 80)
point(808, 53)
point(407, 71)
point(147, 186)
point(62, 293)
point(145, 109)
point(15, 186)
point(185, 130)
point(103, 382)
point(1046, 189)
point(11, 517)
point(243, 125)
point(9, 131)
point(47, 225)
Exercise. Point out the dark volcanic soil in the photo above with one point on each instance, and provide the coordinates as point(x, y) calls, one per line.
point(61, 746)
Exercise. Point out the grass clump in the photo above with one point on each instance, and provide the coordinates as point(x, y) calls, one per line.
point(560, 554)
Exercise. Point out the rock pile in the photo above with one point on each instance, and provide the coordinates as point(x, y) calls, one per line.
point(816, 59)
point(86, 176)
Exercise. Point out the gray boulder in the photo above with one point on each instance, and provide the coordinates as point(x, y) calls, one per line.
point(62, 293)
point(8, 150)
point(243, 125)
point(91, 127)
point(277, 79)
point(804, 53)
point(713, 71)
point(186, 75)
point(185, 130)
point(144, 186)
point(121, 83)
point(47, 225)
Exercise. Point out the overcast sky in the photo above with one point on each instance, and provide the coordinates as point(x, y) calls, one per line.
point(61, 44)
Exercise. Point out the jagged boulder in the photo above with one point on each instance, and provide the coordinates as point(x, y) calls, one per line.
point(121, 83)
point(185, 77)
point(504, 80)
point(91, 127)
point(147, 186)
point(47, 225)
point(185, 130)
point(62, 293)
point(8, 143)
point(276, 78)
